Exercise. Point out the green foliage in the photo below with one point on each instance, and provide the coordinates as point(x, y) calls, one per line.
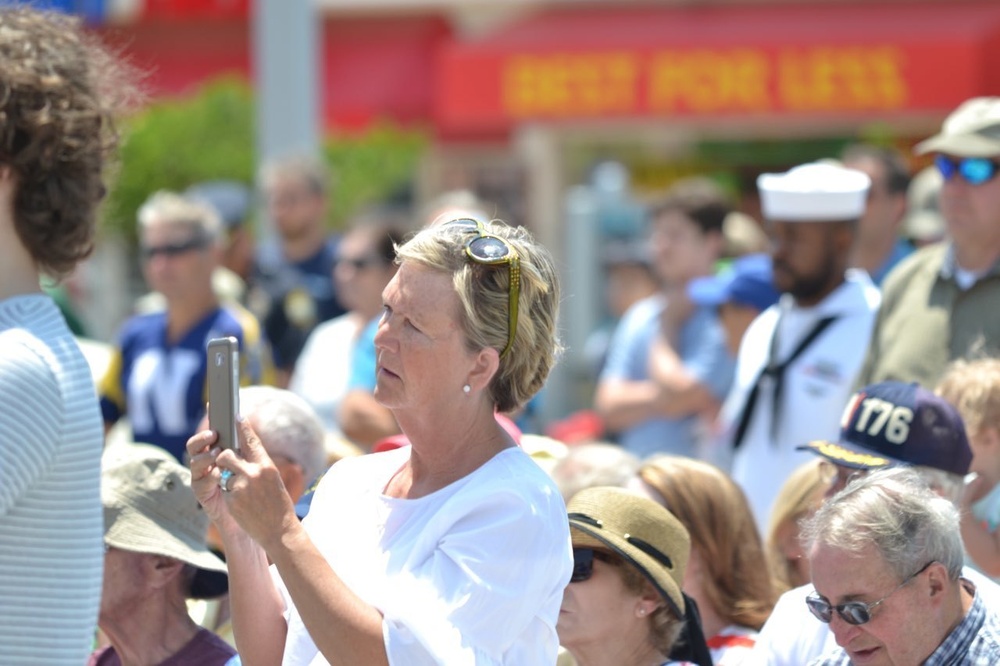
point(173, 144)
point(369, 168)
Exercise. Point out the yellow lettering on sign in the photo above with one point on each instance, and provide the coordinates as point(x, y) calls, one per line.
point(570, 85)
point(842, 78)
point(705, 81)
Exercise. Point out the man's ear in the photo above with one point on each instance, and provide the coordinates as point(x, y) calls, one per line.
point(938, 581)
point(162, 570)
point(294, 479)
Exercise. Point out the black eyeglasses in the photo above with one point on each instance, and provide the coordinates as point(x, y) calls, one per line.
point(173, 249)
point(973, 170)
point(493, 251)
point(583, 562)
point(853, 612)
point(360, 263)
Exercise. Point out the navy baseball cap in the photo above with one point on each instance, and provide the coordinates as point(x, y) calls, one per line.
point(747, 281)
point(230, 199)
point(896, 423)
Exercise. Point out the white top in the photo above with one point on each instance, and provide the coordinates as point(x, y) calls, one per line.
point(732, 646)
point(471, 574)
point(324, 366)
point(792, 636)
point(817, 385)
point(51, 523)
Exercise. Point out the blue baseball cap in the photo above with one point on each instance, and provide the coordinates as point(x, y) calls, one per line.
point(230, 199)
point(896, 423)
point(747, 281)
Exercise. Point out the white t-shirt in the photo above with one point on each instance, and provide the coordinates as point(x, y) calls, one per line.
point(324, 366)
point(471, 574)
point(792, 636)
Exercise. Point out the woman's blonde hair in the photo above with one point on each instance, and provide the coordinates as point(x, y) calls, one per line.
point(717, 516)
point(973, 388)
point(800, 495)
point(483, 293)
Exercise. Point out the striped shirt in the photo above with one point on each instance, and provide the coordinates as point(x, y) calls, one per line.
point(51, 554)
point(974, 642)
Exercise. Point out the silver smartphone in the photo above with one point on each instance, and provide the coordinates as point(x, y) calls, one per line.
point(224, 389)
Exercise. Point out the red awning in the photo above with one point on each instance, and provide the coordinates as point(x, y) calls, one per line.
point(857, 60)
point(371, 67)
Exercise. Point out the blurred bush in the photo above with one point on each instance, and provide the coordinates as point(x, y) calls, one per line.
point(173, 144)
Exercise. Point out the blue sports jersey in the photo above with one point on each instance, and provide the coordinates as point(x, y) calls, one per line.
point(291, 298)
point(161, 387)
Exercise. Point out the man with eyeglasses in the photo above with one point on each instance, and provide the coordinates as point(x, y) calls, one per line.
point(886, 559)
point(157, 372)
point(890, 424)
point(940, 303)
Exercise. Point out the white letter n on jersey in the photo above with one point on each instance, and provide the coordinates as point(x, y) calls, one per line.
point(159, 383)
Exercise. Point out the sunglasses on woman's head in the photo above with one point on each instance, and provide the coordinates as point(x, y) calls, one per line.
point(973, 170)
point(492, 251)
point(852, 612)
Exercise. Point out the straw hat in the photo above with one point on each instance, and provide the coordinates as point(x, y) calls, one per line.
point(149, 507)
point(642, 532)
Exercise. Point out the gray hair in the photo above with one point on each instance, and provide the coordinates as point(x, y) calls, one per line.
point(286, 425)
point(170, 208)
point(593, 464)
point(308, 171)
point(895, 511)
point(946, 484)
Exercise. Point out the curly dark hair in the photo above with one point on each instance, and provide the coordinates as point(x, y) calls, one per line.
point(59, 91)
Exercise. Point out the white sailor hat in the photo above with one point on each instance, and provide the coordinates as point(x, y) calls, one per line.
point(814, 192)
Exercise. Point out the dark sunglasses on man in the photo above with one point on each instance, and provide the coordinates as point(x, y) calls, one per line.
point(973, 170)
point(853, 612)
point(173, 249)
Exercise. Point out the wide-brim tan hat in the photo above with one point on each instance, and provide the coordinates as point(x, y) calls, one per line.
point(149, 507)
point(642, 532)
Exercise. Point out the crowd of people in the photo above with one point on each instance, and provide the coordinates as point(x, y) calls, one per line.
point(800, 460)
